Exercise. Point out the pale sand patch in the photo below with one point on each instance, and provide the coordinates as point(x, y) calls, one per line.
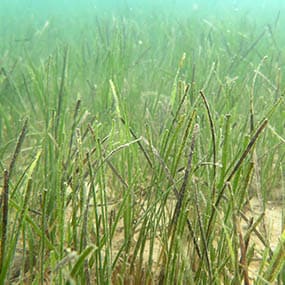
point(273, 223)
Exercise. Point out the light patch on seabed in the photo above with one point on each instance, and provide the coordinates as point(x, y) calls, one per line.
point(273, 218)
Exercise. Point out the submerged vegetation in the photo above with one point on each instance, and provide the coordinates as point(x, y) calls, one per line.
point(132, 146)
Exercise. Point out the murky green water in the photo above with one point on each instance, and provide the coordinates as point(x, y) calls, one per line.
point(22, 20)
point(151, 124)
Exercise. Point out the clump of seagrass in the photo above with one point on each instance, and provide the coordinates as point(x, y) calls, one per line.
point(4, 205)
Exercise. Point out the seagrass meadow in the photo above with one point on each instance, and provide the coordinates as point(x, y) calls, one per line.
point(142, 142)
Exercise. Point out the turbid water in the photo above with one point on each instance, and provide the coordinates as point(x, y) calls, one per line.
point(142, 142)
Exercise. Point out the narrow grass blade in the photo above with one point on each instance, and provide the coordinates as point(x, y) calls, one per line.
point(81, 259)
point(277, 261)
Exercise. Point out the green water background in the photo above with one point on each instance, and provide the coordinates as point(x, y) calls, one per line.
point(24, 21)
